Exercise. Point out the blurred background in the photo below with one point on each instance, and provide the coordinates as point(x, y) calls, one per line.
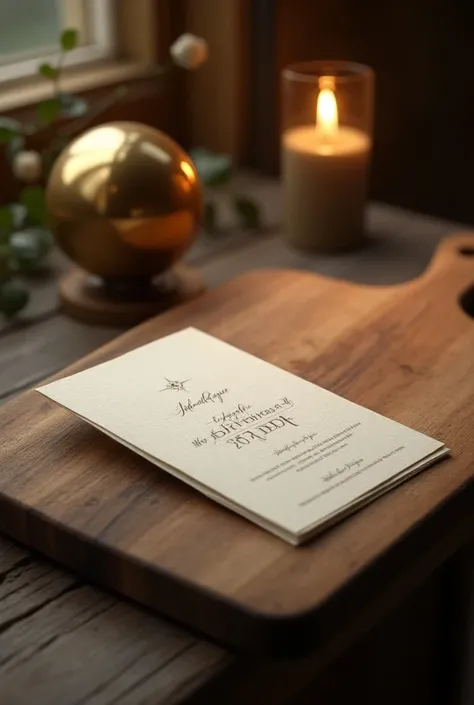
point(422, 52)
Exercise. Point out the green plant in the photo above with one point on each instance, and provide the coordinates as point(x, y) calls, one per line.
point(215, 172)
point(25, 239)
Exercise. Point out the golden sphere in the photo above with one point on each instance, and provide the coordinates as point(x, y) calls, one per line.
point(124, 201)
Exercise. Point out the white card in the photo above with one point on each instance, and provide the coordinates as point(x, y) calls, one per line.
point(283, 452)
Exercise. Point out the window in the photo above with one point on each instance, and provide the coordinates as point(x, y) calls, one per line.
point(30, 32)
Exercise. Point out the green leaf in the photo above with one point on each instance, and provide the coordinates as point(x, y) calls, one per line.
point(33, 198)
point(7, 135)
point(69, 39)
point(248, 212)
point(213, 169)
point(29, 247)
point(13, 297)
point(19, 213)
point(9, 129)
point(48, 71)
point(12, 217)
point(14, 146)
point(49, 110)
point(7, 222)
point(72, 106)
point(210, 218)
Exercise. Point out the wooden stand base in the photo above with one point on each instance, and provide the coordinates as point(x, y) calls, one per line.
point(89, 299)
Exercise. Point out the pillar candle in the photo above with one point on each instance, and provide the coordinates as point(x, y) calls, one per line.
point(325, 168)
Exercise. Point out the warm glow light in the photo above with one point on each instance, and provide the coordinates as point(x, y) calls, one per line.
point(188, 170)
point(326, 110)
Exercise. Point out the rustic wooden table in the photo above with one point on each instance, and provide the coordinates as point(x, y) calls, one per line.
point(64, 642)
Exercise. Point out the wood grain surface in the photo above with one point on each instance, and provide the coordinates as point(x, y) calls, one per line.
point(63, 641)
point(88, 301)
point(406, 351)
point(42, 341)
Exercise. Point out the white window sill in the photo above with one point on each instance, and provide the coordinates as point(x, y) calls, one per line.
point(29, 91)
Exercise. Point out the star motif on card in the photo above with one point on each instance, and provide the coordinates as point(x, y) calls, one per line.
point(175, 385)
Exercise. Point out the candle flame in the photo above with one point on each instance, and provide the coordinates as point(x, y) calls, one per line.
point(327, 118)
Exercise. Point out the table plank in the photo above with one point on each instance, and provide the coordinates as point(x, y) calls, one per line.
point(91, 646)
point(28, 354)
point(72, 644)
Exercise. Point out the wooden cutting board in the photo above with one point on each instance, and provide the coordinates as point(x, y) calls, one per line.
point(405, 351)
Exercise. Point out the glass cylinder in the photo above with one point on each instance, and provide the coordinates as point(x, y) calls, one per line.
point(326, 152)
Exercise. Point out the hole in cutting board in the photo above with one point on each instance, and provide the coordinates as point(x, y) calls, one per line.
point(466, 251)
point(467, 301)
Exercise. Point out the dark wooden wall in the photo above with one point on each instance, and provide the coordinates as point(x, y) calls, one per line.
point(423, 55)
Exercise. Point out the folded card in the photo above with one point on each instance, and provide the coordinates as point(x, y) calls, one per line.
point(282, 452)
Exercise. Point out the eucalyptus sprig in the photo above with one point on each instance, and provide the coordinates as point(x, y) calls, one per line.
point(216, 171)
point(25, 239)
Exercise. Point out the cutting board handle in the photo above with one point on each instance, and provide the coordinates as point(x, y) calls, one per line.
point(455, 255)
point(450, 272)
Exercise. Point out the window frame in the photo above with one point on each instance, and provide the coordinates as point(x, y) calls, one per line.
point(142, 37)
point(85, 13)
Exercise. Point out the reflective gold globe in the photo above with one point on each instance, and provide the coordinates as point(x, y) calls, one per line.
point(124, 201)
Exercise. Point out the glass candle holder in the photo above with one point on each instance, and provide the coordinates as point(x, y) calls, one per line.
point(326, 152)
